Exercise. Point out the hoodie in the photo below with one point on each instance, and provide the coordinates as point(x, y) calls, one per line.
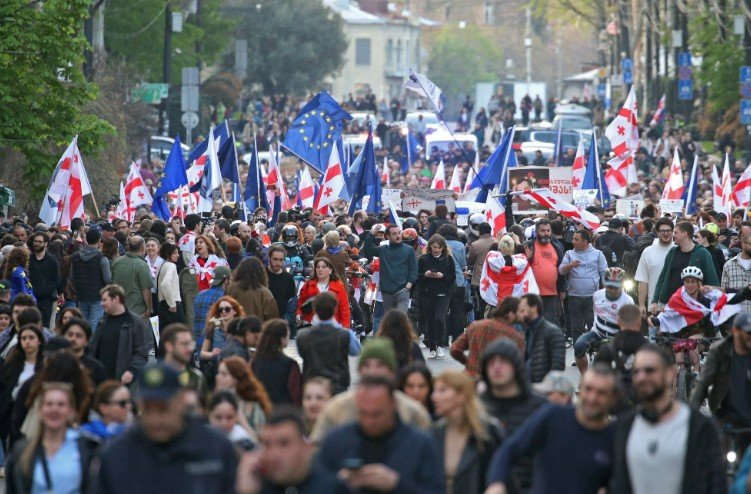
point(584, 280)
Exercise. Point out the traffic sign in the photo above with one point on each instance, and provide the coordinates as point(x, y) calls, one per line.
point(189, 120)
point(601, 91)
point(150, 93)
point(627, 64)
point(684, 59)
point(745, 73)
point(685, 72)
point(628, 77)
point(745, 88)
point(745, 112)
point(685, 89)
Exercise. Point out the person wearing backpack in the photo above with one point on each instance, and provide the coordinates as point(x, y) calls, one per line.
point(619, 354)
point(651, 262)
point(613, 244)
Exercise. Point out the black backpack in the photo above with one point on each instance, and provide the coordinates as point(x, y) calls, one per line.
point(631, 258)
point(609, 253)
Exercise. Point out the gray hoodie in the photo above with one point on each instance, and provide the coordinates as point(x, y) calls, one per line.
point(584, 280)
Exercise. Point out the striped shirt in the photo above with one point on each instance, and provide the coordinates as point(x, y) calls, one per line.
point(606, 312)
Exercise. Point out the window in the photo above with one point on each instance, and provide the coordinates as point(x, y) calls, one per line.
point(399, 54)
point(389, 53)
point(406, 53)
point(489, 13)
point(362, 51)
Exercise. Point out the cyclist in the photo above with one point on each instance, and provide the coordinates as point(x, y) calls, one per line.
point(296, 257)
point(727, 371)
point(606, 302)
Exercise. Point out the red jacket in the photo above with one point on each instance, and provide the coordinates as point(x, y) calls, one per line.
point(310, 289)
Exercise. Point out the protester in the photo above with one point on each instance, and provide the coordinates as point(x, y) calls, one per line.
point(206, 299)
point(44, 275)
point(78, 333)
point(436, 284)
point(544, 347)
point(416, 381)
point(249, 287)
point(556, 387)
point(170, 307)
point(476, 254)
point(242, 338)
point(317, 391)
point(113, 404)
point(398, 270)
point(179, 347)
point(396, 326)
point(282, 286)
point(324, 279)
point(205, 261)
point(279, 374)
point(219, 318)
point(131, 272)
point(17, 271)
point(545, 256)
point(222, 412)
point(235, 375)
point(89, 273)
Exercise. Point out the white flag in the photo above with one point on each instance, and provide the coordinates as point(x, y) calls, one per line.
point(425, 88)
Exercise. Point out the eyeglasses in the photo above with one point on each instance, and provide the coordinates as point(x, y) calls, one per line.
point(664, 231)
point(645, 370)
point(120, 403)
point(226, 309)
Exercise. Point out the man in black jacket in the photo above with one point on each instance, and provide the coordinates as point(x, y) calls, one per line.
point(44, 274)
point(508, 396)
point(324, 348)
point(167, 450)
point(89, 273)
point(545, 348)
point(614, 244)
point(665, 446)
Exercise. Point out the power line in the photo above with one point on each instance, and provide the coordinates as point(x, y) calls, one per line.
point(142, 30)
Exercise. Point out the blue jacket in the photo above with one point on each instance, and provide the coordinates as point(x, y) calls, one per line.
point(459, 253)
point(398, 266)
point(410, 452)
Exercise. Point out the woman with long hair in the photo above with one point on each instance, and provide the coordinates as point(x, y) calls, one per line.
point(234, 252)
point(416, 381)
point(114, 405)
point(279, 374)
point(215, 334)
point(395, 325)
point(224, 415)
point(60, 366)
point(465, 436)
point(17, 271)
point(708, 240)
point(336, 254)
point(249, 286)
point(154, 261)
point(57, 457)
point(170, 308)
point(317, 391)
point(22, 364)
point(435, 283)
point(235, 375)
point(66, 315)
point(205, 261)
point(110, 248)
point(323, 279)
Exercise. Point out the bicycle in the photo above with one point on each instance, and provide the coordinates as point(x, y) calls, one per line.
point(594, 349)
point(684, 381)
point(732, 435)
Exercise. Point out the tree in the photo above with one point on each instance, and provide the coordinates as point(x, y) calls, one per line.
point(134, 31)
point(43, 91)
point(292, 45)
point(460, 58)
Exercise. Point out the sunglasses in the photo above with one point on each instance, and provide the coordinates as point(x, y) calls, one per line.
point(225, 309)
point(120, 403)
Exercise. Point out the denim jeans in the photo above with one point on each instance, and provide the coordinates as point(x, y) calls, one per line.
point(585, 342)
point(582, 315)
point(92, 312)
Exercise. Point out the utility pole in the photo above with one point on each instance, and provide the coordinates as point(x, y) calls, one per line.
point(166, 67)
point(528, 47)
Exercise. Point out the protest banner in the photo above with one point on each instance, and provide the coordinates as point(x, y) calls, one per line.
point(629, 207)
point(557, 179)
point(413, 200)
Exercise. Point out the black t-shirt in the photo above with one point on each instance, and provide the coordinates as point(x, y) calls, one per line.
point(680, 262)
point(736, 406)
point(282, 286)
point(109, 342)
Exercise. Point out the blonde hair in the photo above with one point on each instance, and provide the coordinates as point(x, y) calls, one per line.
point(472, 409)
point(331, 239)
point(506, 245)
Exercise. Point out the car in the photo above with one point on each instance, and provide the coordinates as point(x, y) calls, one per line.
point(160, 147)
point(358, 140)
point(573, 123)
point(432, 122)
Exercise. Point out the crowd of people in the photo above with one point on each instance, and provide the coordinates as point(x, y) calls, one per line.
point(213, 354)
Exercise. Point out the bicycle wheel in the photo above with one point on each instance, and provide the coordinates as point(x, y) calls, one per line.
point(683, 385)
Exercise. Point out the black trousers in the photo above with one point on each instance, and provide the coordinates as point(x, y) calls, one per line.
point(434, 309)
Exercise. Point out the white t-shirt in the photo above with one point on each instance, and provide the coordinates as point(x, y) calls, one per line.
point(744, 263)
point(650, 266)
point(606, 312)
point(656, 453)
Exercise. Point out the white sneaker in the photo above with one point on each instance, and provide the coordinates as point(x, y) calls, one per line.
point(431, 354)
point(441, 352)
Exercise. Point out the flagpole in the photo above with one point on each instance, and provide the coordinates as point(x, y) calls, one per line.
point(440, 115)
point(597, 164)
point(237, 168)
point(691, 182)
point(259, 175)
point(93, 199)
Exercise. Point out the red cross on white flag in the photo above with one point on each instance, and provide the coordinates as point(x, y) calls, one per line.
point(439, 181)
point(333, 181)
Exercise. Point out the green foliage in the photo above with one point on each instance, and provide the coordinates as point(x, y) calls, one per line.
point(292, 44)
point(134, 31)
point(721, 61)
point(460, 58)
point(43, 91)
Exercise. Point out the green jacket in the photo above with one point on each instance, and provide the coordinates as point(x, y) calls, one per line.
point(700, 258)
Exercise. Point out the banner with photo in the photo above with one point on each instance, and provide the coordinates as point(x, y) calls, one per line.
point(557, 179)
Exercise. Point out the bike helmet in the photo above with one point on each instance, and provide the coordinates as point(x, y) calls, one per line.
point(290, 236)
point(692, 272)
point(614, 277)
point(475, 220)
point(411, 223)
point(409, 236)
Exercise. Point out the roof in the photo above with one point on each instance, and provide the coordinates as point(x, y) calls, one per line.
point(587, 76)
point(351, 13)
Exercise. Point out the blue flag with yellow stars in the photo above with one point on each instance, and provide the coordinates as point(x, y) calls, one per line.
point(315, 128)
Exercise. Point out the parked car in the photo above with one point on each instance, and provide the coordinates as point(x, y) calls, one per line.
point(160, 147)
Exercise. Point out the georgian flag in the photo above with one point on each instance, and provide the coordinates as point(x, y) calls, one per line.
point(727, 191)
point(742, 189)
point(716, 190)
point(439, 181)
point(499, 281)
point(68, 186)
point(470, 178)
point(580, 167)
point(622, 172)
point(674, 186)
point(122, 210)
point(495, 214)
point(657, 118)
point(333, 181)
point(623, 131)
point(682, 310)
point(306, 192)
point(546, 198)
point(456, 181)
point(385, 176)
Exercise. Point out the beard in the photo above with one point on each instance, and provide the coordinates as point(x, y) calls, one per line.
point(544, 240)
point(647, 396)
point(38, 248)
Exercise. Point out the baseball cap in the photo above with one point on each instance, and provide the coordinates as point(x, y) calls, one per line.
point(721, 216)
point(743, 322)
point(221, 273)
point(158, 381)
point(106, 226)
point(4, 285)
point(555, 381)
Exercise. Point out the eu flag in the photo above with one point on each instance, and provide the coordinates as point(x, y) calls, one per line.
point(367, 181)
point(594, 178)
point(317, 126)
point(495, 170)
point(173, 177)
